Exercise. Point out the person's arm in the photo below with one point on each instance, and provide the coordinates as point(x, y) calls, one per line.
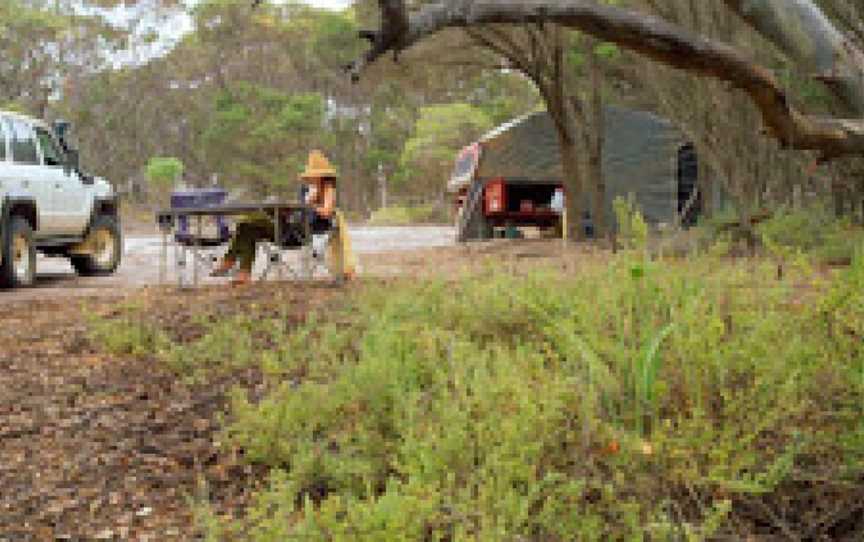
point(328, 201)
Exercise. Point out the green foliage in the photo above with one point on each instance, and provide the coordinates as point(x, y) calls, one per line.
point(302, 114)
point(541, 406)
point(440, 131)
point(486, 408)
point(647, 368)
point(162, 172)
point(259, 137)
point(224, 345)
point(608, 51)
point(219, 346)
point(632, 228)
point(203, 516)
point(32, 33)
point(128, 334)
point(813, 231)
point(503, 96)
point(402, 215)
point(809, 91)
point(843, 309)
point(334, 37)
point(17, 107)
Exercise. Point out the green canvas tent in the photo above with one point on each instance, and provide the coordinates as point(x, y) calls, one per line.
point(643, 155)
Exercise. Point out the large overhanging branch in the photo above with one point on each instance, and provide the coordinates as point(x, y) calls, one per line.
point(807, 37)
point(649, 36)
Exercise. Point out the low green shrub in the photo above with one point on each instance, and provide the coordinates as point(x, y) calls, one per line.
point(813, 231)
point(637, 397)
point(225, 344)
point(632, 228)
point(402, 215)
point(220, 346)
point(127, 334)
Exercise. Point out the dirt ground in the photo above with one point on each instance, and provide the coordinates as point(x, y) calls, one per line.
point(114, 447)
point(143, 254)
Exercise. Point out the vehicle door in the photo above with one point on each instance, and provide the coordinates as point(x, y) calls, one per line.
point(70, 204)
point(26, 174)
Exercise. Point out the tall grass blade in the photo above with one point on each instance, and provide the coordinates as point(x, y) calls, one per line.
point(647, 375)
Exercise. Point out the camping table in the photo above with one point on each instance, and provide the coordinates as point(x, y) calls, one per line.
point(167, 219)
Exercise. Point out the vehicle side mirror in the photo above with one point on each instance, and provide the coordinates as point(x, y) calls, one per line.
point(61, 128)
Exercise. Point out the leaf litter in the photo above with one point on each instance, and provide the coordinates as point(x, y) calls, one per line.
point(101, 446)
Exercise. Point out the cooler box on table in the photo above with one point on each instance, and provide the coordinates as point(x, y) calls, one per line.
point(214, 229)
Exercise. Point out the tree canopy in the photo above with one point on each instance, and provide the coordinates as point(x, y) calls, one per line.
point(247, 91)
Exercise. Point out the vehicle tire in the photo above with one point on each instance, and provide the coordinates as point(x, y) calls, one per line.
point(19, 256)
point(107, 238)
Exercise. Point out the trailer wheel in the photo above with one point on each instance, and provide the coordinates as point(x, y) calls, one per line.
point(475, 226)
point(484, 229)
point(19, 256)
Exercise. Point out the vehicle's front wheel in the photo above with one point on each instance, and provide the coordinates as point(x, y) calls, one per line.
point(19, 256)
point(105, 248)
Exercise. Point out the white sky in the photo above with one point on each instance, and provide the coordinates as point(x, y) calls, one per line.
point(169, 25)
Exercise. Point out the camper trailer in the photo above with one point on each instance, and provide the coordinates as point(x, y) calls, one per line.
point(511, 177)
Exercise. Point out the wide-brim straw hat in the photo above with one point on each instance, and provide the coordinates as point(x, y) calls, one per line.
point(318, 166)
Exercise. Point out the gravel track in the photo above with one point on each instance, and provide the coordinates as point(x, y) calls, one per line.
point(140, 266)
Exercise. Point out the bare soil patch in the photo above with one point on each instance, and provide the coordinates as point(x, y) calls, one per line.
point(509, 255)
point(97, 446)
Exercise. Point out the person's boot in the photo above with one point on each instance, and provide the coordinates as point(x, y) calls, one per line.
point(242, 277)
point(224, 268)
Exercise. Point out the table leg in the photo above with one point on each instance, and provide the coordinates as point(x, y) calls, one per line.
point(163, 257)
point(267, 249)
point(179, 263)
point(195, 251)
point(277, 230)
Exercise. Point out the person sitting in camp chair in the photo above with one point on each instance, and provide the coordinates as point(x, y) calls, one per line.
point(319, 192)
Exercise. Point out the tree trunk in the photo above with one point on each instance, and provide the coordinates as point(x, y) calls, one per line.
point(596, 141)
point(857, 197)
point(706, 186)
point(837, 195)
point(598, 194)
point(573, 189)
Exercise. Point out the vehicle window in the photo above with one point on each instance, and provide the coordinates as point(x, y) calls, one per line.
point(51, 154)
point(3, 138)
point(24, 143)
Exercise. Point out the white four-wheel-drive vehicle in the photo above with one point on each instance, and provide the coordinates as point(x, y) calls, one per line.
point(48, 205)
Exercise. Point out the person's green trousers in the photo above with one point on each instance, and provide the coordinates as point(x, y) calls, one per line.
point(249, 232)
